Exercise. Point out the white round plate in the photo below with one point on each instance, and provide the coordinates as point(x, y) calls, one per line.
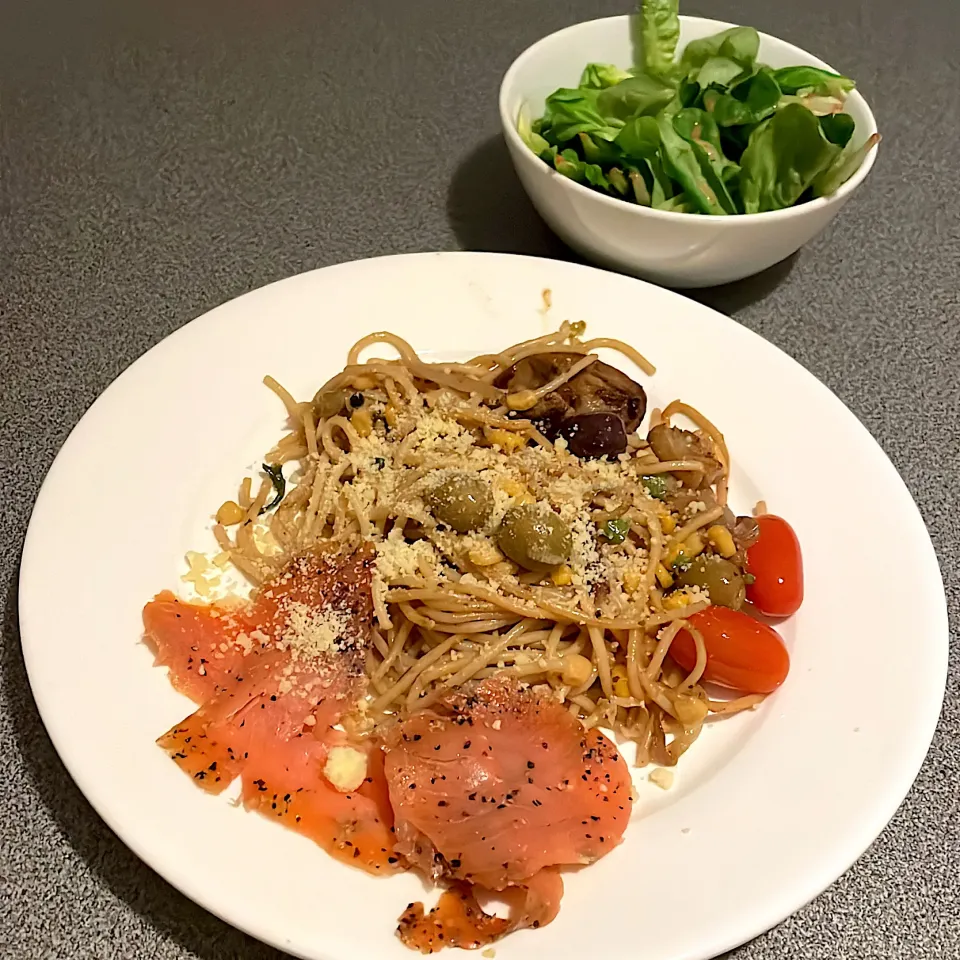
point(767, 809)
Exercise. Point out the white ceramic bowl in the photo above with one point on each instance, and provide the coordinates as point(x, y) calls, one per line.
point(677, 249)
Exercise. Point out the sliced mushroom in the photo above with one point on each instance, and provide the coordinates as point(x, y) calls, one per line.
point(672, 443)
point(746, 532)
point(586, 408)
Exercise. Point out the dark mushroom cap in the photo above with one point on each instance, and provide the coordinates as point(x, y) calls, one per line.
point(586, 408)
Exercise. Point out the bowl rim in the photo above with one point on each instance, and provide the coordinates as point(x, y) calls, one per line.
point(509, 124)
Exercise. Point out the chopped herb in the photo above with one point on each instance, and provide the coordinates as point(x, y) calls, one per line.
point(615, 530)
point(655, 485)
point(275, 473)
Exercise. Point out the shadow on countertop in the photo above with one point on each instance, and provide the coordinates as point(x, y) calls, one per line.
point(163, 907)
point(488, 209)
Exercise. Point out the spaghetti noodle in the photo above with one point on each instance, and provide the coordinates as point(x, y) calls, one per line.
point(499, 549)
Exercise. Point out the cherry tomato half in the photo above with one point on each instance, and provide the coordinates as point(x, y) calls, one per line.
point(742, 653)
point(777, 567)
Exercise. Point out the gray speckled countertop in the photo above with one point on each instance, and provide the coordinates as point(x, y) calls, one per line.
point(157, 159)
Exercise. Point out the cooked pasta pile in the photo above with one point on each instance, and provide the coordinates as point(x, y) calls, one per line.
point(504, 542)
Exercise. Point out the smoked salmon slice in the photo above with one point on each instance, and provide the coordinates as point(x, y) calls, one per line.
point(198, 642)
point(502, 783)
point(459, 921)
point(272, 680)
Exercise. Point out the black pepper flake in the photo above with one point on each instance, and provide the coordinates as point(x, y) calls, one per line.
point(417, 736)
point(412, 786)
point(441, 803)
point(594, 819)
point(273, 697)
point(395, 860)
point(537, 803)
point(501, 806)
point(213, 766)
point(455, 863)
point(437, 747)
point(466, 744)
point(356, 852)
point(472, 796)
point(530, 764)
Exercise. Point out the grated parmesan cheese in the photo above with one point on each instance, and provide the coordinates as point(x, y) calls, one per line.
point(312, 631)
point(661, 777)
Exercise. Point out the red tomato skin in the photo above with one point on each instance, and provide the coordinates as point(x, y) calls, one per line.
point(776, 563)
point(742, 653)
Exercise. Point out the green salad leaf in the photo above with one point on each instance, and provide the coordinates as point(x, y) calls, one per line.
point(682, 162)
point(639, 139)
point(812, 80)
point(529, 136)
point(660, 34)
point(740, 44)
point(843, 167)
point(570, 112)
point(707, 129)
point(785, 155)
point(642, 95)
point(837, 128)
point(599, 75)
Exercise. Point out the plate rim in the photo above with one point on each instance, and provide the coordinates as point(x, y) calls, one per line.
point(777, 908)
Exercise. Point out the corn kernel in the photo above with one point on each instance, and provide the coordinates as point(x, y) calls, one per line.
point(684, 552)
point(362, 423)
point(690, 709)
point(693, 546)
point(677, 599)
point(621, 687)
point(230, 513)
point(663, 576)
point(576, 670)
point(562, 576)
point(390, 415)
point(507, 440)
point(484, 554)
point(722, 540)
point(517, 490)
point(632, 577)
point(668, 523)
point(671, 554)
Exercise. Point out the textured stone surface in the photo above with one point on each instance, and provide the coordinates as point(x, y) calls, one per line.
point(157, 159)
